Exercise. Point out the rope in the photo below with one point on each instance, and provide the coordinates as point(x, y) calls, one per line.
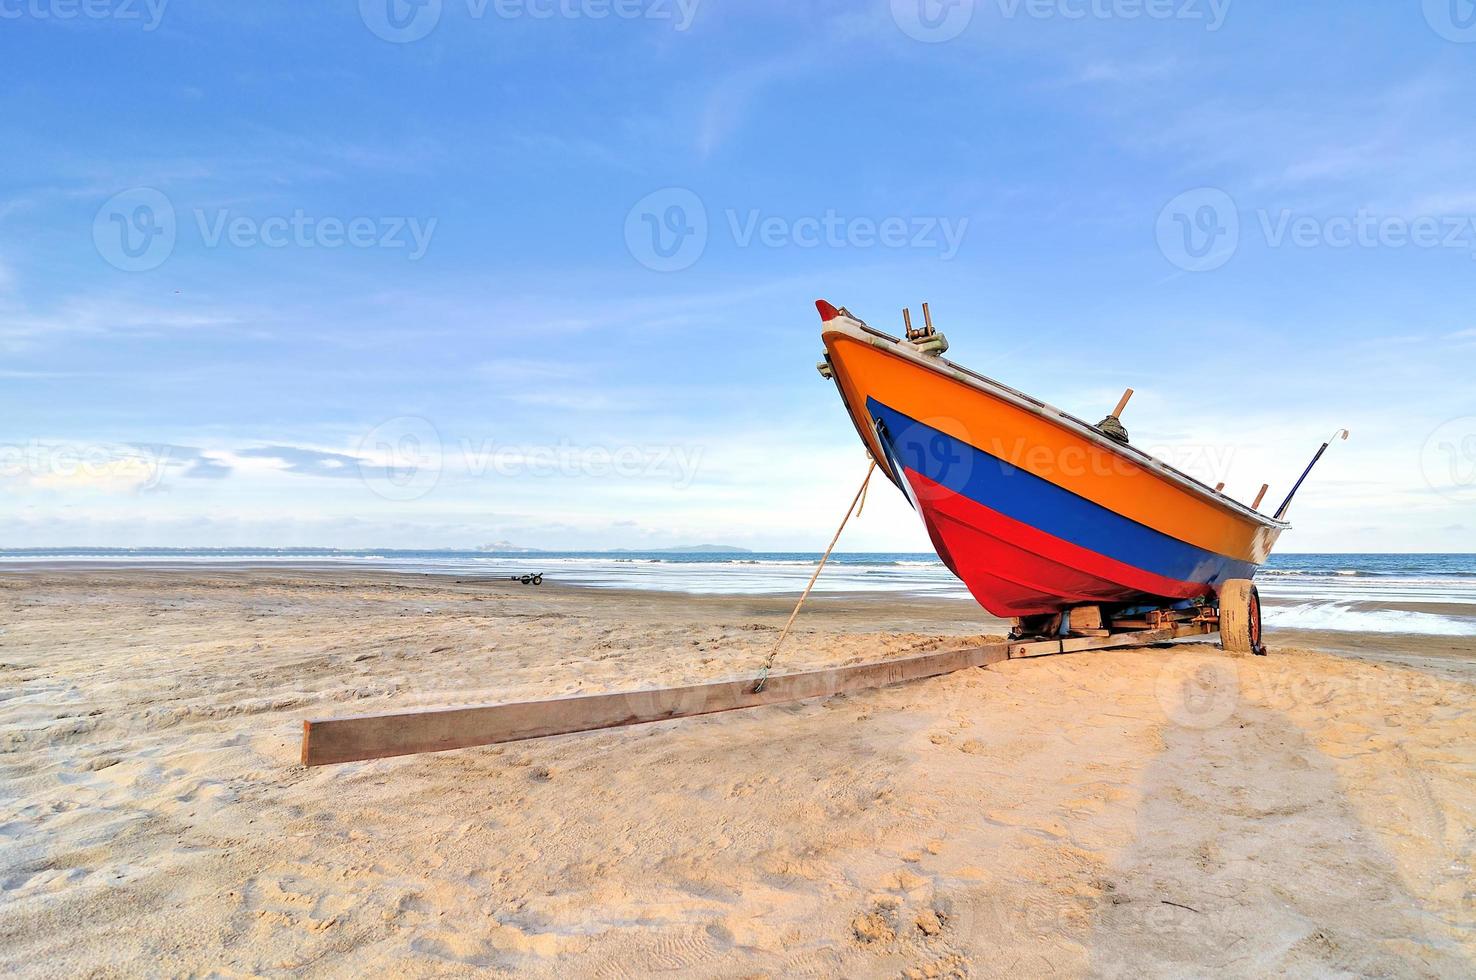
point(1112, 428)
point(860, 498)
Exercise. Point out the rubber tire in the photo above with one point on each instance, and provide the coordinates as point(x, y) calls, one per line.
point(1240, 618)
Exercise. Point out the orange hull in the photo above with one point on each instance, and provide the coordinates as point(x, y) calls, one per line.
point(1033, 509)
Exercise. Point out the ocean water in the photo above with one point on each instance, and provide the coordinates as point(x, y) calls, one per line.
point(1337, 592)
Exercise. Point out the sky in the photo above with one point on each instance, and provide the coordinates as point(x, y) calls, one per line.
point(450, 273)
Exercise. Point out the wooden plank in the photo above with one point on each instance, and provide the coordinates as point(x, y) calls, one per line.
point(380, 736)
point(439, 729)
point(1084, 618)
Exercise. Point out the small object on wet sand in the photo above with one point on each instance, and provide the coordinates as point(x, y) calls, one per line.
point(535, 578)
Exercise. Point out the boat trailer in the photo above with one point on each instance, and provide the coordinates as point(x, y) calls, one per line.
point(1236, 617)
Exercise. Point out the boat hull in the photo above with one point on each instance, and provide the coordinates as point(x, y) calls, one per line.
point(1033, 510)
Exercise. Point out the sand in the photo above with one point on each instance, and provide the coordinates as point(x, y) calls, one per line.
point(1155, 812)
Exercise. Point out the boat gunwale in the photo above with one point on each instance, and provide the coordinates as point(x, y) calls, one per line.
point(865, 333)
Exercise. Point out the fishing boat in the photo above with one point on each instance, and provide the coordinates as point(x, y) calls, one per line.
point(1040, 513)
point(1085, 541)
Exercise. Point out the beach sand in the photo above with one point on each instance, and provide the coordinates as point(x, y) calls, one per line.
point(1154, 812)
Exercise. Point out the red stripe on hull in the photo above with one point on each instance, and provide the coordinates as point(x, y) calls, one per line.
point(1013, 569)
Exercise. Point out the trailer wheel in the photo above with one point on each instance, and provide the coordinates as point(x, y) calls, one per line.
point(1240, 618)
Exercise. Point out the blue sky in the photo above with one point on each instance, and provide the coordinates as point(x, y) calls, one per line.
point(367, 274)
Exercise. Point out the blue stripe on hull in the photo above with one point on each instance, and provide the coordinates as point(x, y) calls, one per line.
point(1041, 504)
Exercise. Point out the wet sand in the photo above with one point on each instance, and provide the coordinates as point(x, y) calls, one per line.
point(1150, 812)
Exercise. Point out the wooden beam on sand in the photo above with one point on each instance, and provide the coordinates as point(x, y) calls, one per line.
point(378, 736)
point(354, 739)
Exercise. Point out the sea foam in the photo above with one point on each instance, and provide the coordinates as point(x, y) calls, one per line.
point(1341, 617)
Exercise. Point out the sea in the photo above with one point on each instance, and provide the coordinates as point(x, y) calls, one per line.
point(1431, 594)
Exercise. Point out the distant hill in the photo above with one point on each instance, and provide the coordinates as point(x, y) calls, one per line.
point(505, 546)
point(726, 549)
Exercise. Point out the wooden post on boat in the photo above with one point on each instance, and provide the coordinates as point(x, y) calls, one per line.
point(1219, 486)
point(1111, 426)
point(1260, 496)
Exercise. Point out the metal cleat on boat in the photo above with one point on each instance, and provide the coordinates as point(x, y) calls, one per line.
point(926, 340)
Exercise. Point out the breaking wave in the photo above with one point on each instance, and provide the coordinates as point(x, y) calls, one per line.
point(1341, 617)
